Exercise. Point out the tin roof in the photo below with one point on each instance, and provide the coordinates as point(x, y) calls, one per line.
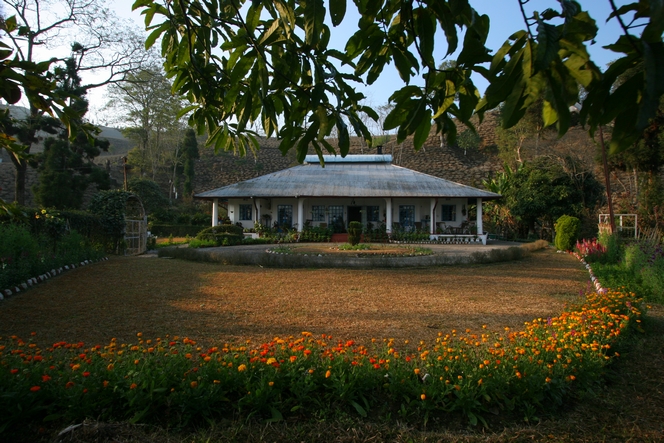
point(351, 176)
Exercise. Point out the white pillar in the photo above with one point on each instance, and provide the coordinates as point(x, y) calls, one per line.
point(300, 214)
point(215, 211)
point(432, 217)
point(388, 215)
point(480, 227)
point(257, 205)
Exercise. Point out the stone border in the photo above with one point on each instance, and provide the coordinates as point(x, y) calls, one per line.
point(598, 286)
point(43, 277)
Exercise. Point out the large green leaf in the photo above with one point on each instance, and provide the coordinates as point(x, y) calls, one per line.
point(337, 11)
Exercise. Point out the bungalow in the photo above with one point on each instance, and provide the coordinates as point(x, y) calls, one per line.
point(364, 188)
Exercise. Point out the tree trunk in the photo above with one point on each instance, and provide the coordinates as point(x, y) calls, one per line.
point(19, 183)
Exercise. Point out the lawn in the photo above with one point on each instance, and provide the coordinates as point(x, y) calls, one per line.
point(213, 303)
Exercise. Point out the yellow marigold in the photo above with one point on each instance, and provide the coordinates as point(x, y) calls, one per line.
point(75, 367)
point(416, 370)
point(423, 396)
point(271, 360)
point(216, 382)
point(242, 368)
point(271, 383)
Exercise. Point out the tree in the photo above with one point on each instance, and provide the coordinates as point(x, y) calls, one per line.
point(190, 154)
point(541, 191)
point(152, 114)
point(243, 62)
point(66, 168)
point(98, 41)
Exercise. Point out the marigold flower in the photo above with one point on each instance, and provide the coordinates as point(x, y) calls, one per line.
point(216, 382)
point(271, 383)
point(416, 370)
point(242, 368)
point(35, 388)
point(14, 371)
point(194, 384)
point(133, 386)
point(46, 378)
point(327, 374)
point(105, 383)
point(86, 374)
point(271, 360)
point(293, 358)
point(423, 396)
point(110, 366)
point(70, 384)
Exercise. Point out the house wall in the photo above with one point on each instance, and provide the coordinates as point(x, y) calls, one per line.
point(422, 207)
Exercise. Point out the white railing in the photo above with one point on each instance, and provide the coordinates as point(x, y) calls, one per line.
point(626, 222)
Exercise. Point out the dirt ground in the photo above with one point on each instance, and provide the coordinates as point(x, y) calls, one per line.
point(212, 303)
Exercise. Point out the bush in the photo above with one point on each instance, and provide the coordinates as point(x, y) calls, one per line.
point(162, 230)
point(613, 245)
point(567, 231)
point(24, 255)
point(354, 232)
point(222, 235)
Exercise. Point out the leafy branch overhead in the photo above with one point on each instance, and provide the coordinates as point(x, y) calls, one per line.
point(270, 63)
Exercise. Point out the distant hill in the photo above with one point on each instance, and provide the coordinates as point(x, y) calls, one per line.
point(119, 144)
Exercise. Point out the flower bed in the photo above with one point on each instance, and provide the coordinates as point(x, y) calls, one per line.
point(175, 382)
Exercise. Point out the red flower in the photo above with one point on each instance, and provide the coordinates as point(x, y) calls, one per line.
point(35, 388)
point(14, 371)
point(45, 378)
point(86, 374)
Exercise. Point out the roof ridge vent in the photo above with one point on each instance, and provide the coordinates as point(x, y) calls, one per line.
point(363, 158)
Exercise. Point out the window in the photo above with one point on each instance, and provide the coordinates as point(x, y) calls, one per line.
point(407, 216)
point(285, 215)
point(336, 218)
point(245, 212)
point(449, 213)
point(373, 213)
point(318, 213)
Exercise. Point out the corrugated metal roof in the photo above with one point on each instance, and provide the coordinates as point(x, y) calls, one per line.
point(347, 179)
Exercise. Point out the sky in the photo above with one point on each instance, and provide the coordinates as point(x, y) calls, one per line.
point(504, 15)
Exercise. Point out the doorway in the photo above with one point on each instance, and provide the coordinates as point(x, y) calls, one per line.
point(355, 214)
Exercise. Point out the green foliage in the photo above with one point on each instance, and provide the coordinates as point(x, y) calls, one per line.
point(354, 232)
point(110, 207)
point(176, 383)
point(164, 230)
point(315, 234)
point(567, 232)
point(639, 267)
point(354, 247)
point(546, 65)
point(196, 243)
point(25, 255)
point(222, 235)
point(150, 193)
point(469, 140)
point(613, 245)
point(190, 153)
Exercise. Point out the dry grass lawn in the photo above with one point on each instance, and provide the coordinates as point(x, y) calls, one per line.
point(212, 303)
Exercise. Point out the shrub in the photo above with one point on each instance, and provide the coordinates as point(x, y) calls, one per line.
point(567, 231)
point(162, 230)
point(354, 232)
point(222, 235)
point(613, 246)
point(196, 243)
